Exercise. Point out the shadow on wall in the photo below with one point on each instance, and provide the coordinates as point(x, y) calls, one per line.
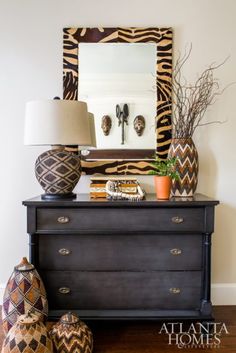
point(224, 244)
point(224, 241)
point(208, 170)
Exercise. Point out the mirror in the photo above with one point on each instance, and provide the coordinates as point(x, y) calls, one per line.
point(116, 66)
point(118, 73)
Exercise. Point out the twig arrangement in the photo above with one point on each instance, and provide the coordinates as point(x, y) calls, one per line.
point(190, 101)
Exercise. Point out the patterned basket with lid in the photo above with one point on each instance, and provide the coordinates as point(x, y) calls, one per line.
point(71, 335)
point(24, 291)
point(28, 335)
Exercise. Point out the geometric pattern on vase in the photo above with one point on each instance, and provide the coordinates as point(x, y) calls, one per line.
point(71, 335)
point(24, 291)
point(186, 165)
point(25, 337)
point(58, 171)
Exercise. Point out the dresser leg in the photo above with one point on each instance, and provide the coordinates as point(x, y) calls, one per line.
point(206, 305)
point(206, 308)
point(33, 249)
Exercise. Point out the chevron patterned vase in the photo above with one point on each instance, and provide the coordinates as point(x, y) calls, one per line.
point(71, 335)
point(187, 166)
point(24, 292)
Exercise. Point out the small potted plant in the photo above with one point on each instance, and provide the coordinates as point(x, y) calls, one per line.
point(164, 172)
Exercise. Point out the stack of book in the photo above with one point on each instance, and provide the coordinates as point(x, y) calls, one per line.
point(127, 184)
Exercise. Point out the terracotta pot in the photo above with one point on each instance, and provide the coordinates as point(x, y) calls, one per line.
point(187, 167)
point(28, 335)
point(24, 291)
point(163, 187)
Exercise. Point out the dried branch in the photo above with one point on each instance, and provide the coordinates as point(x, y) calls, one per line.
point(190, 101)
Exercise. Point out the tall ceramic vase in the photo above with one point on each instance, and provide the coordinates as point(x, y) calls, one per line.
point(24, 291)
point(187, 167)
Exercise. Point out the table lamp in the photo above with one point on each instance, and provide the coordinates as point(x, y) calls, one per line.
point(61, 124)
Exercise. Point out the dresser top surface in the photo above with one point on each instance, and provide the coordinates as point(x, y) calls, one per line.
point(149, 201)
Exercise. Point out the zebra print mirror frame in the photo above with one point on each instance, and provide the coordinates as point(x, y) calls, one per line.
point(124, 161)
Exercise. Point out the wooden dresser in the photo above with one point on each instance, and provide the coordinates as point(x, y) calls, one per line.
point(124, 260)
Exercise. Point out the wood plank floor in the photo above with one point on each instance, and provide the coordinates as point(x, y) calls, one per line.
point(129, 337)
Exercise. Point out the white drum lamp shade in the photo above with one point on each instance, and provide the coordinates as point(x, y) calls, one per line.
point(60, 123)
point(92, 130)
point(57, 122)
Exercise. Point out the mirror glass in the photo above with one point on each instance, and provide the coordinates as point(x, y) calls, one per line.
point(119, 73)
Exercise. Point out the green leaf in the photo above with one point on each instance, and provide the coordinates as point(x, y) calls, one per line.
point(164, 167)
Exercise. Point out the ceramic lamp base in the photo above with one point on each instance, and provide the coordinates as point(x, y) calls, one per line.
point(58, 172)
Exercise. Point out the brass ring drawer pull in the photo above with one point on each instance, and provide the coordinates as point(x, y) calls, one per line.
point(177, 220)
point(63, 220)
point(175, 290)
point(64, 252)
point(64, 290)
point(176, 251)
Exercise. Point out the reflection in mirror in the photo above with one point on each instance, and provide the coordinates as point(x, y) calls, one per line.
point(118, 73)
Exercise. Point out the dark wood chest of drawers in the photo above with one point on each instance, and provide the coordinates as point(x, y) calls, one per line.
point(124, 260)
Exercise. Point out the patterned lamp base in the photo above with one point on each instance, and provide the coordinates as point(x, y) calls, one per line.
point(58, 172)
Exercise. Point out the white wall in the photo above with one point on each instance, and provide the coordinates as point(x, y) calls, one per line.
point(31, 68)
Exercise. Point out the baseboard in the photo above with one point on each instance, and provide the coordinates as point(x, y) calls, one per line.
point(221, 293)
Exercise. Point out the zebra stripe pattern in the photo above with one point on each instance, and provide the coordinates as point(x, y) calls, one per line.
point(163, 39)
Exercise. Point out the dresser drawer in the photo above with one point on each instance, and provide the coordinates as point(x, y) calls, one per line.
point(120, 219)
point(123, 290)
point(120, 252)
